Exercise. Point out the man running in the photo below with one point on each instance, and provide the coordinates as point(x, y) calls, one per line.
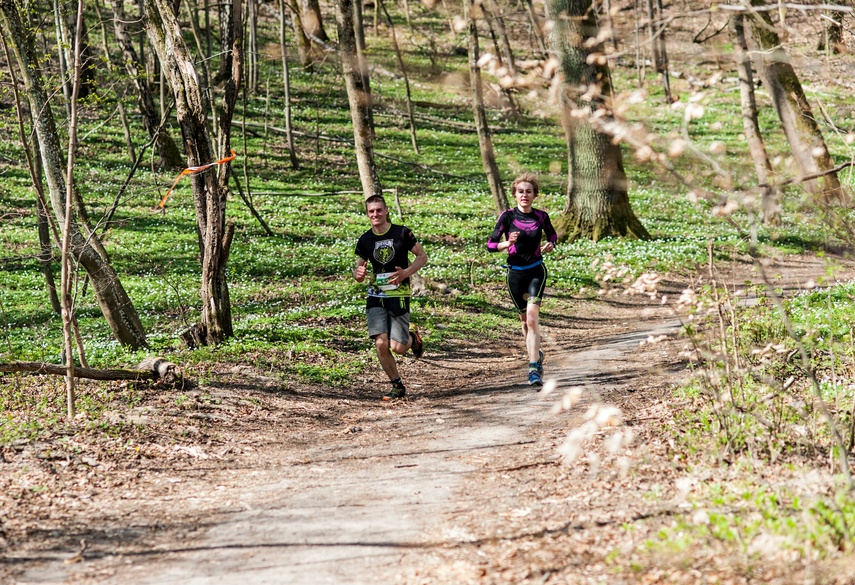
point(524, 228)
point(387, 247)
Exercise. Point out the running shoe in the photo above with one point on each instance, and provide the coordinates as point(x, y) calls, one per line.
point(534, 378)
point(540, 363)
point(418, 346)
point(398, 391)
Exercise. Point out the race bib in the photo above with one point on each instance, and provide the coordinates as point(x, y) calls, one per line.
point(382, 281)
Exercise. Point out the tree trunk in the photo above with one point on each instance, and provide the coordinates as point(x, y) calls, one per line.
point(536, 26)
point(831, 41)
point(286, 80)
point(304, 47)
point(357, 98)
point(656, 31)
point(192, 108)
point(803, 134)
point(750, 125)
point(359, 33)
point(597, 200)
point(400, 58)
point(510, 110)
point(114, 302)
point(167, 150)
point(485, 141)
point(313, 21)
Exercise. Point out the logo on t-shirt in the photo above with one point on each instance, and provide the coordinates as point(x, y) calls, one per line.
point(384, 251)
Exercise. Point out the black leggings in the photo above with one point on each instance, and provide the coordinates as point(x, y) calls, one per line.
point(529, 282)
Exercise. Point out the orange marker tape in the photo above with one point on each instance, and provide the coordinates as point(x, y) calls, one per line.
point(193, 171)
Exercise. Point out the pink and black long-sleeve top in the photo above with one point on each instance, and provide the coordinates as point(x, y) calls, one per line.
point(532, 226)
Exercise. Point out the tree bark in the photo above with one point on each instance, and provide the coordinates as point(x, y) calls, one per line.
point(192, 108)
point(304, 47)
point(148, 369)
point(597, 199)
point(797, 120)
point(750, 124)
point(167, 150)
point(116, 306)
point(313, 21)
point(359, 33)
point(400, 58)
point(286, 80)
point(485, 141)
point(357, 98)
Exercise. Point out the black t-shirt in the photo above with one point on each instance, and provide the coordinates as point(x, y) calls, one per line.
point(385, 253)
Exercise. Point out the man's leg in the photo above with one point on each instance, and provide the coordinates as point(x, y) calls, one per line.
point(387, 360)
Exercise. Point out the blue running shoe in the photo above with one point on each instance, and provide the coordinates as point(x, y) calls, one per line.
point(534, 378)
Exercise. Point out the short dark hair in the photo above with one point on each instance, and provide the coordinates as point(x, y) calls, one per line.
point(375, 199)
point(526, 178)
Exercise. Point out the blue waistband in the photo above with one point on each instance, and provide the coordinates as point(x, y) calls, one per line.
point(538, 263)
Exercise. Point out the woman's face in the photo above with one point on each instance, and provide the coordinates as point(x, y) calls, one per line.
point(524, 194)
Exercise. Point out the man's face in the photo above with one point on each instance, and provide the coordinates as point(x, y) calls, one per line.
point(377, 213)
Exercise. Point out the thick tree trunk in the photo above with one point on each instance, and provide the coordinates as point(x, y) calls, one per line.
point(313, 21)
point(797, 120)
point(167, 150)
point(304, 47)
point(357, 97)
point(114, 302)
point(485, 141)
point(192, 108)
point(597, 200)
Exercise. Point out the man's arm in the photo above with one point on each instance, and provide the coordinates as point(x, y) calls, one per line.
point(401, 274)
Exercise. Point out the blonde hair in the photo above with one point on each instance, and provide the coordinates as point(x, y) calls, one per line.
point(526, 178)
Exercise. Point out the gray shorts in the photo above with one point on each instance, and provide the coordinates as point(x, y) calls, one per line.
point(381, 320)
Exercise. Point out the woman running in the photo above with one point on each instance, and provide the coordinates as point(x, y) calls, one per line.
point(523, 228)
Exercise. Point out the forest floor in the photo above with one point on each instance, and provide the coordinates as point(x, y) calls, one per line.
point(244, 478)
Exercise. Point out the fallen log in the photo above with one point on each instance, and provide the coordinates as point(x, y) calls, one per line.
point(152, 368)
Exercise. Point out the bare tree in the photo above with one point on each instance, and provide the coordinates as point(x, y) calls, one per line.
point(485, 141)
point(750, 125)
point(403, 68)
point(286, 80)
point(209, 190)
point(116, 306)
point(357, 97)
point(597, 198)
point(797, 120)
point(167, 150)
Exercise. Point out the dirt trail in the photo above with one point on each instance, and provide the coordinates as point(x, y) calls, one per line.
point(359, 491)
point(346, 512)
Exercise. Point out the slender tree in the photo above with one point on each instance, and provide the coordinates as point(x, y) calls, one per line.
point(116, 306)
point(750, 124)
point(403, 68)
point(167, 150)
point(797, 120)
point(209, 194)
point(286, 81)
point(485, 141)
point(357, 98)
point(597, 199)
